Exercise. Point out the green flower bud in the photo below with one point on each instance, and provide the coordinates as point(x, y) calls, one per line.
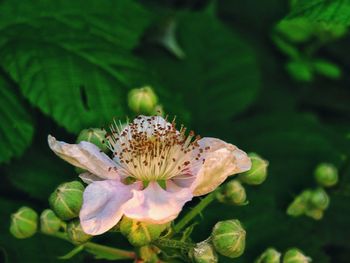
point(270, 255)
point(228, 238)
point(204, 252)
point(326, 174)
point(76, 233)
point(95, 136)
point(319, 199)
point(233, 193)
point(327, 68)
point(294, 255)
point(297, 30)
point(140, 233)
point(67, 199)
point(300, 70)
point(49, 222)
point(300, 204)
point(258, 173)
point(314, 213)
point(142, 100)
point(24, 223)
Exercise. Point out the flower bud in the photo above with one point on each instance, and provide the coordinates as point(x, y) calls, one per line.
point(326, 174)
point(294, 255)
point(258, 173)
point(270, 255)
point(24, 223)
point(76, 233)
point(140, 233)
point(142, 100)
point(228, 238)
point(300, 204)
point(314, 213)
point(67, 200)
point(319, 199)
point(233, 193)
point(49, 222)
point(204, 252)
point(95, 136)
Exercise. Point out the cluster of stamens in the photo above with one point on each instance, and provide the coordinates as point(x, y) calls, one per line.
point(149, 149)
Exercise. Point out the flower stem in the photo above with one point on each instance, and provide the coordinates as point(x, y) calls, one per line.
point(101, 250)
point(195, 211)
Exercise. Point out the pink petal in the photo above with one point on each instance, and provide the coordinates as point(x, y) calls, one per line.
point(85, 155)
point(156, 205)
point(103, 203)
point(221, 160)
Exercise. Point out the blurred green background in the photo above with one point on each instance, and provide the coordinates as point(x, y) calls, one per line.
point(269, 76)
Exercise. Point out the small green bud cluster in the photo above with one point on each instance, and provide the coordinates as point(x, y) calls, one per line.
point(326, 175)
point(143, 100)
point(292, 255)
point(49, 222)
point(258, 172)
point(140, 233)
point(67, 200)
point(228, 238)
point(75, 232)
point(95, 136)
point(24, 223)
point(204, 252)
point(232, 193)
point(270, 255)
point(313, 202)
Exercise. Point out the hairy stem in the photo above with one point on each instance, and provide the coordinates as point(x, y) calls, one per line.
point(106, 251)
point(195, 211)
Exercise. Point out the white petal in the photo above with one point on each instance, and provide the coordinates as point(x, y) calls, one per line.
point(221, 160)
point(103, 205)
point(86, 156)
point(88, 178)
point(156, 205)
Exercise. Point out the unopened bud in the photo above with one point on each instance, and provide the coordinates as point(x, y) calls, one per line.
point(326, 174)
point(300, 204)
point(270, 255)
point(233, 193)
point(67, 200)
point(319, 199)
point(204, 252)
point(294, 255)
point(140, 233)
point(24, 223)
point(142, 100)
point(96, 136)
point(258, 173)
point(228, 238)
point(49, 222)
point(76, 233)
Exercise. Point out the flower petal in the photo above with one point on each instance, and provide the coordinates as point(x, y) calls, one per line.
point(103, 205)
point(156, 205)
point(221, 160)
point(86, 156)
point(88, 178)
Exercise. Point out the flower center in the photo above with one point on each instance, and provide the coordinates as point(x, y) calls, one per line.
point(151, 149)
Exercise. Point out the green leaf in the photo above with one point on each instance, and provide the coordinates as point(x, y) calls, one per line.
point(72, 60)
point(330, 11)
point(16, 129)
point(218, 78)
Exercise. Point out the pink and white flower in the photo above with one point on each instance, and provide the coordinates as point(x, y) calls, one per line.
point(153, 172)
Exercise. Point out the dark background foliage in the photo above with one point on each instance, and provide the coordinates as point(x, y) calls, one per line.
point(68, 65)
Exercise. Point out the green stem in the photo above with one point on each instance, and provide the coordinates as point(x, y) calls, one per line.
point(195, 211)
point(113, 253)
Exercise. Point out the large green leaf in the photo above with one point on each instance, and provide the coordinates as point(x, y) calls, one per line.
point(16, 129)
point(73, 61)
point(331, 11)
point(218, 77)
